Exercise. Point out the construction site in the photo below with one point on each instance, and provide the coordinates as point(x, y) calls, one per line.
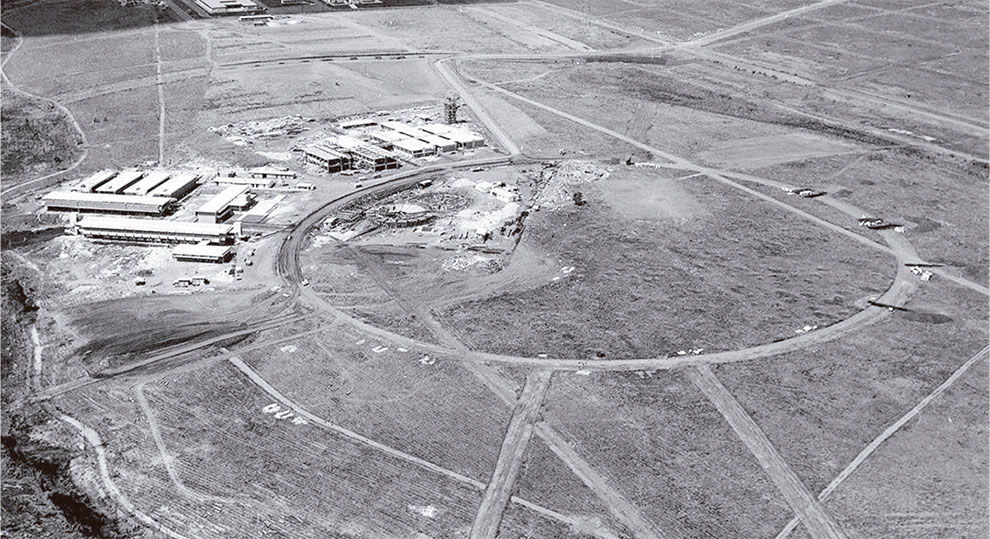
point(481, 270)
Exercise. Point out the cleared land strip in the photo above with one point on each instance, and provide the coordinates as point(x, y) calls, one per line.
point(817, 521)
point(888, 432)
point(160, 85)
point(510, 457)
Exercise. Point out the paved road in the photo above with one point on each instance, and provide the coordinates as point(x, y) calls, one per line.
point(510, 457)
point(817, 521)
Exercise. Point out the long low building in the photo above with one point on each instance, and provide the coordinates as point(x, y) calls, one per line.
point(215, 254)
point(229, 7)
point(154, 230)
point(177, 186)
point(257, 183)
point(101, 203)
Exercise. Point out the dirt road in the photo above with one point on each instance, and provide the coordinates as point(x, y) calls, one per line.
point(517, 436)
point(450, 76)
point(817, 521)
point(888, 432)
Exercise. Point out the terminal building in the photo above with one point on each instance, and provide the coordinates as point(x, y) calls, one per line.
point(222, 206)
point(155, 231)
point(344, 153)
point(102, 203)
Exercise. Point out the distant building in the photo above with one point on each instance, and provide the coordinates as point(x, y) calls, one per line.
point(326, 158)
point(272, 172)
point(229, 7)
point(216, 254)
point(222, 205)
point(256, 183)
point(101, 203)
point(177, 186)
point(121, 181)
point(93, 181)
point(148, 183)
point(154, 230)
point(412, 147)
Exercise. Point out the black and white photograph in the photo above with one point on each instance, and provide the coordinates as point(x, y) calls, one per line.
point(495, 269)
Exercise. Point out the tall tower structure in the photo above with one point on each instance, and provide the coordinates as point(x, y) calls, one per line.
point(450, 107)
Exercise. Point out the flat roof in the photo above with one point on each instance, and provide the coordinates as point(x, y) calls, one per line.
point(120, 181)
point(193, 249)
point(357, 123)
point(455, 133)
point(95, 179)
point(223, 199)
point(413, 145)
point(226, 4)
point(264, 207)
point(405, 129)
point(147, 183)
point(348, 142)
point(272, 171)
point(74, 196)
point(240, 180)
point(437, 140)
point(175, 183)
point(387, 136)
point(323, 152)
point(155, 225)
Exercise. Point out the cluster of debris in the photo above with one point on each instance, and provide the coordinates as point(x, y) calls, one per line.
point(241, 132)
point(925, 275)
point(876, 223)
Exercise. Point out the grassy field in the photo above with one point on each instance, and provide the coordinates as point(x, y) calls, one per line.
point(821, 406)
point(435, 411)
point(663, 286)
point(37, 138)
point(661, 444)
point(928, 480)
point(945, 207)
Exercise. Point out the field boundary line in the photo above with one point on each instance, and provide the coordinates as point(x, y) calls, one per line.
point(818, 523)
point(889, 432)
point(93, 438)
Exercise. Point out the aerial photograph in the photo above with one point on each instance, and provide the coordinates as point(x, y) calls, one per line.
point(478, 269)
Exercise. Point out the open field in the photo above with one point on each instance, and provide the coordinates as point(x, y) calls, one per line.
point(821, 435)
point(601, 308)
point(666, 448)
